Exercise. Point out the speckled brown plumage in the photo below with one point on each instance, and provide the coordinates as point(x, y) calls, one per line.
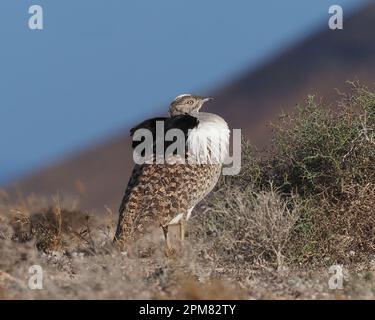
point(156, 193)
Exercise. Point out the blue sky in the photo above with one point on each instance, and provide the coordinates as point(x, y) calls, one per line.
point(101, 65)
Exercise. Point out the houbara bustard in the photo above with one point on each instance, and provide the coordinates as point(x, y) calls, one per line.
point(164, 194)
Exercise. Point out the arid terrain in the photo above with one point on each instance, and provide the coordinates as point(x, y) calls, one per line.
point(299, 207)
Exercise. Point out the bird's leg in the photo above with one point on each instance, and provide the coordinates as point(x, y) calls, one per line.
point(182, 230)
point(168, 249)
point(174, 233)
point(172, 238)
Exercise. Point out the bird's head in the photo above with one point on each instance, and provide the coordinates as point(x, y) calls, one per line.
point(187, 104)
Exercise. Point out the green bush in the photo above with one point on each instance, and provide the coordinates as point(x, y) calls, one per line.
point(320, 149)
point(322, 158)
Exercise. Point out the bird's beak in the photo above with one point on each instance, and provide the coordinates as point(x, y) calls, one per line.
point(207, 99)
point(204, 101)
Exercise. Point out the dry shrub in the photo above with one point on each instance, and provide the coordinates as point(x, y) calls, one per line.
point(345, 229)
point(319, 149)
point(53, 230)
point(58, 229)
point(321, 155)
point(327, 156)
point(239, 225)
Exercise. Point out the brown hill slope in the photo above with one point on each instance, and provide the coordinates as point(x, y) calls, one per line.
point(317, 65)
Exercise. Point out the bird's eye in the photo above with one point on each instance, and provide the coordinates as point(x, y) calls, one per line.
point(190, 102)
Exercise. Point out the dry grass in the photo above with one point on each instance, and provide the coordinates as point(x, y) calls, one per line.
point(346, 228)
point(90, 269)
point(269, 233)
point(239, 225)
